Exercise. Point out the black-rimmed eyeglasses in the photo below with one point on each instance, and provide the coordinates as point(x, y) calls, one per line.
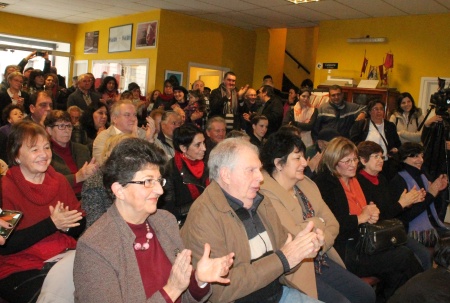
point(149, 183)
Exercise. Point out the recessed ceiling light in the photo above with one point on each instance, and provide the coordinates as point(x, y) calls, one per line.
point(302, 1)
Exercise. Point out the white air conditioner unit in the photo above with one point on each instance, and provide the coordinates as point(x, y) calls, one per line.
point(367, 40)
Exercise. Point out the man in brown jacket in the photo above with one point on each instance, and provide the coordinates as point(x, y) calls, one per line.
point(233, 216)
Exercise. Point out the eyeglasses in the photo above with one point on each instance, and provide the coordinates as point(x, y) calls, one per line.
point(377, 157)
point(149, 183)
point(347, 162)
point(63, 126)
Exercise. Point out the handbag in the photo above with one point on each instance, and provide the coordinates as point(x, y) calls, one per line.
point(381, 236)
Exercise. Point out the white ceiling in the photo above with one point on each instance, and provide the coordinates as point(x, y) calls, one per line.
point(247, 14)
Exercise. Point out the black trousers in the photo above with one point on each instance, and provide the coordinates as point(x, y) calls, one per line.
point(394, 266)
point(24, 286)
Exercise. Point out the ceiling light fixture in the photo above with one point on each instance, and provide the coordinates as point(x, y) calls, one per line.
point(302, 1)
point(3, 5)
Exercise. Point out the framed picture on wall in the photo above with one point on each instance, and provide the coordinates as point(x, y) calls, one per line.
point(146, 34)
point(120, 38)
point(174, 74)
point(91, 42)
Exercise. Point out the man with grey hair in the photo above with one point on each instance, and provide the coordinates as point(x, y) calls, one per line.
point(169, 121)
point(232, 216)
point(83, 96)
point(123, 120)
point(215, 133)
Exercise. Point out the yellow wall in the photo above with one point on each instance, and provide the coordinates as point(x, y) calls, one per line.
point(185, 39)
point(103, 27)
point(276, 55)
point(302, 44)
point(419, 43)
point(261, 57)
point(30, 27)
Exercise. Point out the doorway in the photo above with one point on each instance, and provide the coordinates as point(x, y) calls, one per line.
point(211, 75)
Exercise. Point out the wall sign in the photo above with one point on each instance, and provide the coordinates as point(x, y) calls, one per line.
point(330, 66)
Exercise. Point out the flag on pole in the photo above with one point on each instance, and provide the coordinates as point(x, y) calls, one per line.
point(389, 61)
point(364, 66)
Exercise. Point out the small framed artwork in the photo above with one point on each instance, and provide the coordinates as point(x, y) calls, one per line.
point(120, 38)
point(174, 75)
point(146, 34)
point(91, 42)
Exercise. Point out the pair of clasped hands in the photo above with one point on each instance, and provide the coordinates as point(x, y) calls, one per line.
point(63, 217)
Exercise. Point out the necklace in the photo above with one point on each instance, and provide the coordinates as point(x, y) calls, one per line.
point(146, 245)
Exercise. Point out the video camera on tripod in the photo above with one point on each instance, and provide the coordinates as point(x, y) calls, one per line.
point(441, 99)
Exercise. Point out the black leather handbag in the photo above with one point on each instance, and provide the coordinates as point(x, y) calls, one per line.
point(381, 236)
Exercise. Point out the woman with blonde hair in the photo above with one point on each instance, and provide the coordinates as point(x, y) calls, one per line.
point(342, 193)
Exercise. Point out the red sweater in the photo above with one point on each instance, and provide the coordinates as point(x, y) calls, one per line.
point(34, 201)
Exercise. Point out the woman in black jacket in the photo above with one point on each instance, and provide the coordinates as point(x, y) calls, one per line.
point(342, 193)
point(377, 129)
point(186, 173)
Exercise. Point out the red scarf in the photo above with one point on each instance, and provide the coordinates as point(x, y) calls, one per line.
point(196, 167)
point(373, 179)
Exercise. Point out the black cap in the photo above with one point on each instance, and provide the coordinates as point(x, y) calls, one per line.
point(181, 88)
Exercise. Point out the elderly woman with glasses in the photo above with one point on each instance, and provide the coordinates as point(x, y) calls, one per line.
point(376, 189)
point(377, 129)
point(71, 159)
point(342, 192)
point(134, 252)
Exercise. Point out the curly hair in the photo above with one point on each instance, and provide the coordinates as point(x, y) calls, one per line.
point(103, 87)
point(279, 145)
point(127, 158)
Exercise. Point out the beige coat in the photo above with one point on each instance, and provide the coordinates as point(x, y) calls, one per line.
point(291, 216)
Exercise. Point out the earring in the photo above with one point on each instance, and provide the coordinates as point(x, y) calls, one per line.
point(18, 161)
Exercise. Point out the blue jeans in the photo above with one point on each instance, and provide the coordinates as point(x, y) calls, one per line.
point(292, 295)
point(422, 253)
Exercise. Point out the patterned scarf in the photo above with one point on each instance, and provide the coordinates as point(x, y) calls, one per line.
point(308, 211)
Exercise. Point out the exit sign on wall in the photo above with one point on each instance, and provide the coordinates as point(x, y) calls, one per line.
point(330, 66)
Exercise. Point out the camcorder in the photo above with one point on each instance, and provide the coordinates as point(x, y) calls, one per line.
point(441, 99)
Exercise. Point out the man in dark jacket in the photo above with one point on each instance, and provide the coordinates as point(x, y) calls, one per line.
point(338, 114)
point(227, 102)
point(272, 108)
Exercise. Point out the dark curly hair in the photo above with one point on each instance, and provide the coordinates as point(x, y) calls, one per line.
point(127, 158)
point(103, 87)
point(7, 111)
point(279, 145)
